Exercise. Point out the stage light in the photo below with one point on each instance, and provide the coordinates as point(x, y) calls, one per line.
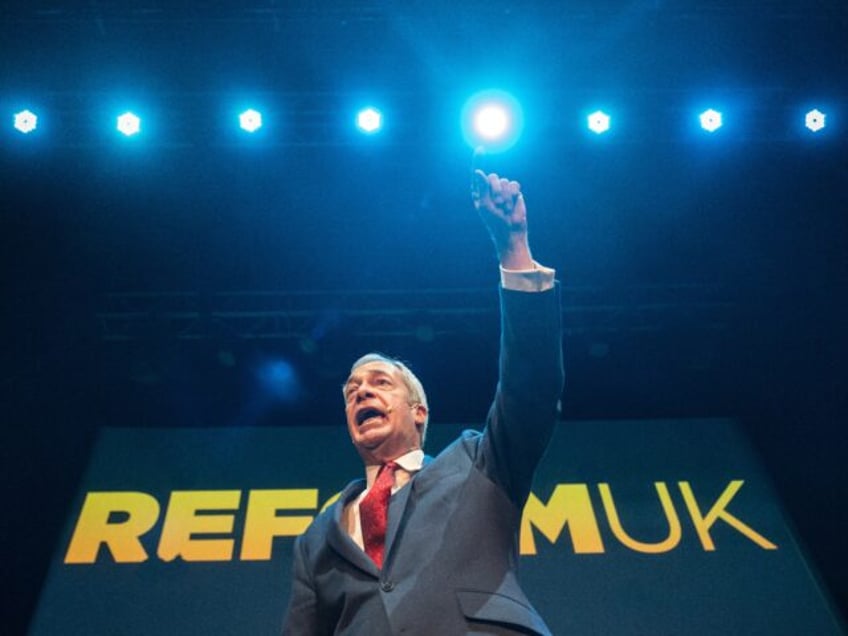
point(492, 119)
point(599, 122)
point(250, 120)
point(279, 380)
point(26, 121)
point(129, 124)
point(710, 120)
point(491, 122)
point(814, 120)
point(369, 120)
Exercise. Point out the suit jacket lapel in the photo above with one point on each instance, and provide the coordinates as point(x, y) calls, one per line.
point(398, 509)
point(338, 537)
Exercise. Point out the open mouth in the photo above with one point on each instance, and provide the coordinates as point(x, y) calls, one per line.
point(367, 414)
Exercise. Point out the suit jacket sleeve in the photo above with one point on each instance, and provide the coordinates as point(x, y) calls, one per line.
point(526, 405)
point(302, 615)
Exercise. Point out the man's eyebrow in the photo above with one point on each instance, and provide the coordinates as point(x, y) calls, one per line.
point(356, 378)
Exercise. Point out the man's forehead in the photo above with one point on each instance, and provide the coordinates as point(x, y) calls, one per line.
point(374, 366)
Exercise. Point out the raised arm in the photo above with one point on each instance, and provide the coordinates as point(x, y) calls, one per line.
point(524, 412)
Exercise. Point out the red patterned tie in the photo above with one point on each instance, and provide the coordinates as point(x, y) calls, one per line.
point(374, 513)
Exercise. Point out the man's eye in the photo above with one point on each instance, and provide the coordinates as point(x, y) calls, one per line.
point(383, 382)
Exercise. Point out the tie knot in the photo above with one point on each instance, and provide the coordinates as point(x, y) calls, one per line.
point(385, 476)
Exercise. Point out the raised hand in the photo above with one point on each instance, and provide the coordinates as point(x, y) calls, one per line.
point(501, 206)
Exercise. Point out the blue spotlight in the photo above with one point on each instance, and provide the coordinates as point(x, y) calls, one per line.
point(250, 120)
point(492, 119)
point(710, 120)
point(26, 121)
point(369, 120)
point(814, 120)
point(599, 122)
point(129, 124)
point(279, 380)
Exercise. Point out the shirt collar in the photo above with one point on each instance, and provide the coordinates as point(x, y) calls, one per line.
point(411, 462)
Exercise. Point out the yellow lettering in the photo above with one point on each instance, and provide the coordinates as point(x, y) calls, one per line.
point(182, 522)
point(121, 537)
point(118, 520)
point(263, 524)
point(703, 523)
point(674, 530)
point(569, 504)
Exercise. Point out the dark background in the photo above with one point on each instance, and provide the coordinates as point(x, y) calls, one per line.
point(196, 277)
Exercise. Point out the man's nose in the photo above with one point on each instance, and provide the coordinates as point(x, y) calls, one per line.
point(363, 392)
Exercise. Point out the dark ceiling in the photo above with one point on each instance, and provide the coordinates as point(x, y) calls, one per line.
point(150, 282)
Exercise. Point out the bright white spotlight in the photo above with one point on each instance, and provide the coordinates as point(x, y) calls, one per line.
point(250, 120)
point(711, 120)
point(814, 120)
point(369, 120)
point(599, 122)
point(492, 119)
point(491, 122)
point(129, 124)
point(26, 121)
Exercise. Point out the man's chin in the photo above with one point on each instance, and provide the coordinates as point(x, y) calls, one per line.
point(370, 441)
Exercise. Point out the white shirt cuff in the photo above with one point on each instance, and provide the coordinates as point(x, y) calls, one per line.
point(538, 279)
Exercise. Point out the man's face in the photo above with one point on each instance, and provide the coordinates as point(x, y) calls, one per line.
point(381, 422)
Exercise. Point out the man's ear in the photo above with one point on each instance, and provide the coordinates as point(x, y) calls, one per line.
point(419, 414)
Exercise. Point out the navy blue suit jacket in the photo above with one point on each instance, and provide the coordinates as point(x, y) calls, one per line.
point(451, 546)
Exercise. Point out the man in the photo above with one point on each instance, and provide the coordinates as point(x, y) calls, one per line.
point(442, 560)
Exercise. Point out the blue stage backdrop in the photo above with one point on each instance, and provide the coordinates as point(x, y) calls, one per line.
point(633, 527)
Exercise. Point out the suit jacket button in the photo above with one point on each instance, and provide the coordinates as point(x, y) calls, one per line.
point(387, 586)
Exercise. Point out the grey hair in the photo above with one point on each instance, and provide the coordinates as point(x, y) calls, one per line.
point(410, 380)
